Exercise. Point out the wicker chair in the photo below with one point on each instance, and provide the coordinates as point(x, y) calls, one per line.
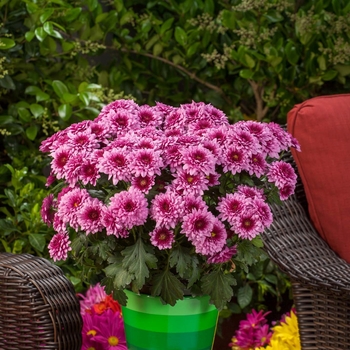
point(320, 278)
point(38, 306)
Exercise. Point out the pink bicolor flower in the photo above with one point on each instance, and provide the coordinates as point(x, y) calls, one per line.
point(89, 216)
point(130, 207)
point(145, 162)
point(48, 209)
point(162, 238)
point(166, 209)
point(197, 225)
point(223, 256)
point(198, 159)
point(59, 246)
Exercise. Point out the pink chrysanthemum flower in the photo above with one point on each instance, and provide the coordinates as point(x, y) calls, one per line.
point(145, 162)
point(130, 207)
point(59, 246)
point(185, 183)
point(111, 335)
point(143, 183)
point(281, 173)
point(69, 205)
point(248, 225)
point(197, 225)
point(223, 256)
point(166, 209)
point(198, 159)
point(162, 238)
point(233, 159)
point(149, 116)
point(47, 210)
point(89, 216)
point(115, 164)
point(230, 207)
point(215, 242)
point(59, 161)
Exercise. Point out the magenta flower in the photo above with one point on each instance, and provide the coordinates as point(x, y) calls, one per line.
point(89, 216)
point(47, 209)
point(162, 238)
point(59, 246)
point(130, 207)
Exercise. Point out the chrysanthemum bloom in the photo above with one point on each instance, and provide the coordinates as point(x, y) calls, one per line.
point(282, 174)
point(230, 207)
point(115, 164)
point(130, 207)
point(166, 209)
point(143, 183)
point(47, 209)
point(112, 335)
point(112, 224)
point(198, 159)
point(197, 225)
point(69, 205)
point(59, 246)
point(162, 238)
point(145, 162)
point(233, 159)
point(89, 216)
point(149, 116)
point(214, 243)
point(94, 294)
point(185, 183)
point(59, 161)
point(223, 256)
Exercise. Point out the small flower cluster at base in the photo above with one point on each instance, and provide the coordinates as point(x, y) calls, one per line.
point(103, 326)
point(254, 333)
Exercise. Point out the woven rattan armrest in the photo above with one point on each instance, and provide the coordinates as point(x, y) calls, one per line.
point(295, 246)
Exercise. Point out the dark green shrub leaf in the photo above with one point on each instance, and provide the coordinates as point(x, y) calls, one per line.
point(6, 43)
point(31, 132)
point(65, 111)
point(59, 88)
point(37, 241)
point(244, 296)
point(37, 110)
point(180, 36)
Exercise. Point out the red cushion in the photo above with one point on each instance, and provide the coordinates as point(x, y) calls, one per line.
point(322, 127)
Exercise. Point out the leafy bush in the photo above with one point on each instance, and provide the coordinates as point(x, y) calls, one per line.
point(60, 62)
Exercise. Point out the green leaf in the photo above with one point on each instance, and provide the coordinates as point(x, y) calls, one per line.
point(65, 111)
point(166, 25)
point(137, 259)
point(85, 98)
point(46, 15)
point(180, 36)
point(72, 14)
point(168, 287)
point(217, 285)
point(37, 241)
point(59, 88)
point(36, 109)
point(40, 33)
point(244, 296)
point(24, 114)
point(6, 43)
point(29, 36)
point(31, 132)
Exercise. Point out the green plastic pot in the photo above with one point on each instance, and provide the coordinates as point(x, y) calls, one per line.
point(150, 325)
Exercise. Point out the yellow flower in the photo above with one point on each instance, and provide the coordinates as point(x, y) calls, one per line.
point(286, 335)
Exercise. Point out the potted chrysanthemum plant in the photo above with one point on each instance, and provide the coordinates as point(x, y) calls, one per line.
point(164, 201)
